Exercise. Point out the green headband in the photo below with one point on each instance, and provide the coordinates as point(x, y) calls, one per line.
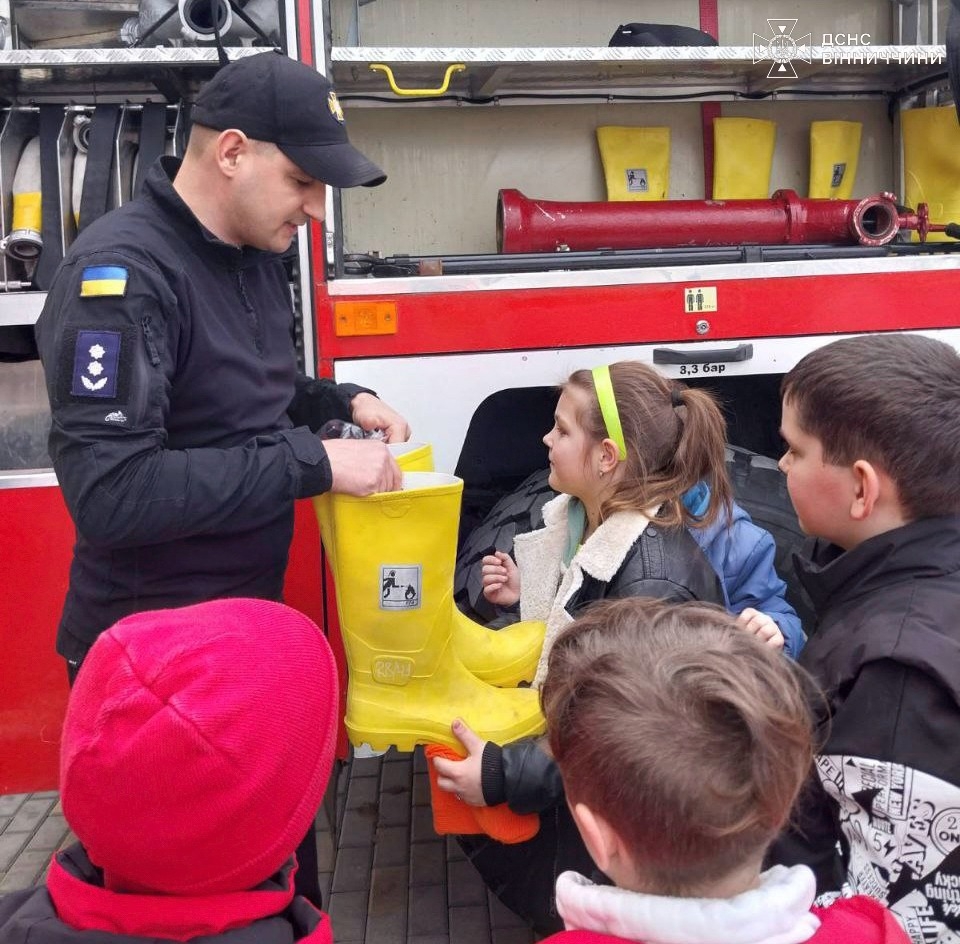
point(608, 408)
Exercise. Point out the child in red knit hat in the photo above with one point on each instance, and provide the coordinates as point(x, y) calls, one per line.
point(196, 750)
point(682, 742)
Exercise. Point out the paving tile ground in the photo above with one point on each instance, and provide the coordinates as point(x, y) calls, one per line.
point(386, 876)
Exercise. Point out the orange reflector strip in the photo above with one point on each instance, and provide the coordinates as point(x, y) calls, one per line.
point(358, 318)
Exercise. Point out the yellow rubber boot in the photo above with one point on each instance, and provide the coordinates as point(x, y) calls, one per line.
point(742, 158)
point(410, 456)
point(834, 153)
point(504, 657)
point(636, 162)
point(931, 164)
point(413, 456)
point(395, 555)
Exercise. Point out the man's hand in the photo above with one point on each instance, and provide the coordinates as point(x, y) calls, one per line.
point(370, 412)
point(462, 777)
point(362, 466)
point(762, 626)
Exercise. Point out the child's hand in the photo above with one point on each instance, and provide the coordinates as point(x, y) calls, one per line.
point(462, 777)
point(762, 626)
point(501, 579)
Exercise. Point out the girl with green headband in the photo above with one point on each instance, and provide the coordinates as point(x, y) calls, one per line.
point(626, 445)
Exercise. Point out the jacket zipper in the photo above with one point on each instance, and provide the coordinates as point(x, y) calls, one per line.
point(254, 320)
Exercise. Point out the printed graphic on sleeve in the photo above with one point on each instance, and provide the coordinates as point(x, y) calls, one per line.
point(400, 587)
point(96, 364)
point(903, 828)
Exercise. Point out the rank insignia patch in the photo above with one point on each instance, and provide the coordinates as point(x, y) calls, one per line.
point(96, 364)
point(100, 281)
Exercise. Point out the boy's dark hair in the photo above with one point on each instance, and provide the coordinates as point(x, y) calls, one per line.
point(893, 400)
point(688, 735)
point(675, 437)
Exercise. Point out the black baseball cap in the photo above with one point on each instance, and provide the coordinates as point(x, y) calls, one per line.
point(271, 97)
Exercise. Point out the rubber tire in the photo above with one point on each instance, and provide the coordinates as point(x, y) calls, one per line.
point(758, 486)
point(515, 513)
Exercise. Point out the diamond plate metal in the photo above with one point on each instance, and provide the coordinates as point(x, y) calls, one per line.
point(159, 55)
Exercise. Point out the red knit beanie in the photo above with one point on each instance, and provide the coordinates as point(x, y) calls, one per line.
point(197, 745)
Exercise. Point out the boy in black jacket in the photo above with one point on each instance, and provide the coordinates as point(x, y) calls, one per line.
point(872, 427)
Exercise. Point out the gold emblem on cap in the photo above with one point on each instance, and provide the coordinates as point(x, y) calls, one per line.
point(334, 105)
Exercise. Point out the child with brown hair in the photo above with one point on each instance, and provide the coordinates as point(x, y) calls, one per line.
point(872, 427)
point(626, 445)
point(682, 743)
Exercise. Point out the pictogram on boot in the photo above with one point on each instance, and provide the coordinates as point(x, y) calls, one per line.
point(834, 154)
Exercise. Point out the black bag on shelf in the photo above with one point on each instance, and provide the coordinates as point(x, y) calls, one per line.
point(659, 34)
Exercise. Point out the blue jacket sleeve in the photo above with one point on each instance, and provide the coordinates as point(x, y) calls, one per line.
point(757, 584)
point(743, 554)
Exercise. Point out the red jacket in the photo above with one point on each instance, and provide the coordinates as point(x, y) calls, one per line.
point(858, 920)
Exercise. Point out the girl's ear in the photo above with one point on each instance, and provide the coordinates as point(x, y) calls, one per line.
point(609, 455)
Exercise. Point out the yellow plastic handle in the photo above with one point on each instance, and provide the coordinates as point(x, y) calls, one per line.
point(388, 72)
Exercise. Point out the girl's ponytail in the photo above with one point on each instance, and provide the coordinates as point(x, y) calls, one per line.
point(674, 438)
point(701, 453)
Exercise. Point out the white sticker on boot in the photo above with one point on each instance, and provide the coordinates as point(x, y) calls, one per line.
point(400, 587)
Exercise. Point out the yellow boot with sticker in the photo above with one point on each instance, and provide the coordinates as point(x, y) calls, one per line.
point(834, 154)
point(504, 657)
point(742, 158)
point(410, 456)
point(636, 162)
point(931, 164)
point(395, 554)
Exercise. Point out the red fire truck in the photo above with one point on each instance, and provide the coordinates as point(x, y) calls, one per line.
point(454, 313)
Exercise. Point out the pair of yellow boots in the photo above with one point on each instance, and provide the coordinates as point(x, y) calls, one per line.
point(743, 158)
point(415, 662)
point(931, 160)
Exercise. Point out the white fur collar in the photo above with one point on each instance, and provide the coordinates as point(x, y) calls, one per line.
point(776, 912)
point(546, 587)
point(603, 553)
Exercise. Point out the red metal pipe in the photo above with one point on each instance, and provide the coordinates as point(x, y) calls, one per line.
point(525, 225)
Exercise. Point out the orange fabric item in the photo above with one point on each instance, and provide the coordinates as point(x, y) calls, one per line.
point(452, 816)
point(502, 824)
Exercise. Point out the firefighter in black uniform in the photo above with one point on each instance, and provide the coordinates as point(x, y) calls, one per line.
point(182, 432)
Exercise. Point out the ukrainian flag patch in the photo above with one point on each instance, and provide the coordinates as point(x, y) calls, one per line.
point(103, 281)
